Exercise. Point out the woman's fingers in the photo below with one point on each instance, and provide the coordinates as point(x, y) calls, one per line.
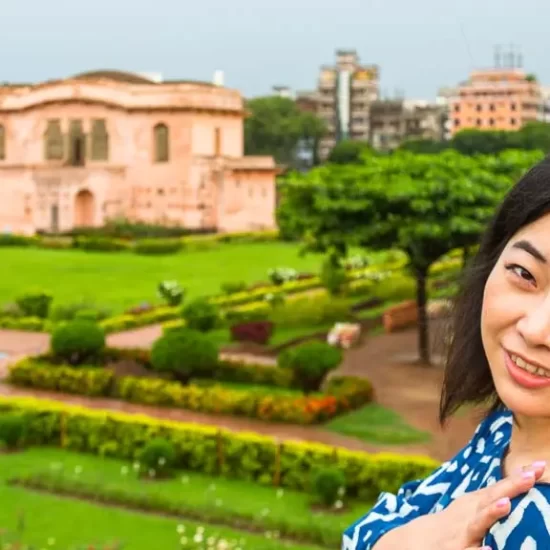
point(514, 485)
point(487, 517)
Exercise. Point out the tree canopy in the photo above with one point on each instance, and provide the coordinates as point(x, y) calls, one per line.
point(425, 205)
point(275, 127)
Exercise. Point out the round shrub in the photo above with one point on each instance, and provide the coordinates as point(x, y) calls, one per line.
point(13, 428)
point(78, 341)
point(157, 458)
point(310, 363)
point(185, 353)
point(329, 485)
point(35, 304)
point(200, 314)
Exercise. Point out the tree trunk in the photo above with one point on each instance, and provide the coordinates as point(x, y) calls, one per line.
point(423, 330)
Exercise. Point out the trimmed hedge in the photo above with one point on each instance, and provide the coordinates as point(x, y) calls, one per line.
point(214, 451)
point(93, 240)
point(340, 397)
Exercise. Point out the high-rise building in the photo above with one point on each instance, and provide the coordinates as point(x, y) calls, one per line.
point(503, 97)
point(345, 92)
point(396, 120)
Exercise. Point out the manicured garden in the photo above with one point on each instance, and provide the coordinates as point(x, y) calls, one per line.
point(200, 475)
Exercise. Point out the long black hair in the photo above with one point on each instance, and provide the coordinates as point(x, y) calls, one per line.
point(467, 375)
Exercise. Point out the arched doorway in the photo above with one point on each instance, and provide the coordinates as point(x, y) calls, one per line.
point(84, 209)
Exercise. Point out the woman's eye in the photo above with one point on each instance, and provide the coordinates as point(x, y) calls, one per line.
point(521, 272)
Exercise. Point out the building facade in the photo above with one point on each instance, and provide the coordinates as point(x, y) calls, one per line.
point(104, 145)
point(495, 99)
point(345, 92)
point(394, 121)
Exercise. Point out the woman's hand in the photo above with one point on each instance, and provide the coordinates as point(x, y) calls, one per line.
point(466, 521)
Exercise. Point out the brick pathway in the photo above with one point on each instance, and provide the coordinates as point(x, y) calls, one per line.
point(409, 389)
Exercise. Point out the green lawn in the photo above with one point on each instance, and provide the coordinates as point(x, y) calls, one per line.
point(376, 424)
point(77, 522)
point(121, 280)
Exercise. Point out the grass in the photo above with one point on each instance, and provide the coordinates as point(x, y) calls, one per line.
point(121, 280)
point(376, 424)
point(76, 522)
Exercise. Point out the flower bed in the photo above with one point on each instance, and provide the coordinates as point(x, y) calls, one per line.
point(341, 394)
point(211, 450)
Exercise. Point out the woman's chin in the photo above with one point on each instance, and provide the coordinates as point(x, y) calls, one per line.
point(524, 402)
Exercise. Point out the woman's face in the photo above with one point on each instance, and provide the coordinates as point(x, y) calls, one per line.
point(515, 321)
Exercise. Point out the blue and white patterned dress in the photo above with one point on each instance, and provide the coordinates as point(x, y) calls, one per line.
point(477, 465)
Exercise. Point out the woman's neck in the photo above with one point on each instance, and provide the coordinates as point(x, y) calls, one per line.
point(530, 442)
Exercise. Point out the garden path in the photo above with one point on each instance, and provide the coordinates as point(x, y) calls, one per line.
point(410, 389)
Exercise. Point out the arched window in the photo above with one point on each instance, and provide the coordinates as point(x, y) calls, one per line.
point(2, 142)
point(162, 143)
point(99, 140)
point(53, 141)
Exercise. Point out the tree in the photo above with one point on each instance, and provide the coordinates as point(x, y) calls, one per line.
point(349, 152)
point(426, 205)
point(424, 146)
point(276, 126)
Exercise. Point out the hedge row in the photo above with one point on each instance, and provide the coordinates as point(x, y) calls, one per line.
point(341, 395)
point(213, 451)
point(152, 246)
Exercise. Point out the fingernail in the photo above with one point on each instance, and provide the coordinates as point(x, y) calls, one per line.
point(539, 464)
point(528, 475)
point(503, 502)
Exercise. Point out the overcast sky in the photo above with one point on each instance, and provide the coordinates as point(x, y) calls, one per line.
point(419, 45)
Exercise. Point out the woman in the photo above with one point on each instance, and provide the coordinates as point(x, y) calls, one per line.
point(494, 493)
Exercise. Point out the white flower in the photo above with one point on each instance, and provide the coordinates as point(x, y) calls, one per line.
point(124, 470)
point(341, 491)
point(180, 528)
point(198, 537)
point(162, 461)
point(152, 473)
point(183, 541)
point(338, 504)
point(136, 466)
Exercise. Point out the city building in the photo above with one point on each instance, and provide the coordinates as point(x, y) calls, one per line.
point(395, 120)
point(345, 92)
point(500, 98)
point(107, 144)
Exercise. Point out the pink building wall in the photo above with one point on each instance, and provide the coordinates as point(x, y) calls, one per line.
point(207, 182)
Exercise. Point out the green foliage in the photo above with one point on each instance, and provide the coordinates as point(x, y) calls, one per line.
point(310, 311)
point(310, 362)
point(424, 205)
point(201, 314)
point(333, 277)
point(12, 430)
point(261, 392)
point(275, 127)
point(158, 246)
point(231, 287)
point(71, 311)
point(329, 484)
point(35, 304)
point(78, 341)
point(210, 450)
point(185, 353)
point(171, 292)
point(101, 244)
point(350, 152)
point(90, 381)
point(158, 457)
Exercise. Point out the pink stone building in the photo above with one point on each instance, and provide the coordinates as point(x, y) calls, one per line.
point(107, 144)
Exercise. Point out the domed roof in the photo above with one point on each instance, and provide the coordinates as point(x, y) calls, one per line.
point(119, 76)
